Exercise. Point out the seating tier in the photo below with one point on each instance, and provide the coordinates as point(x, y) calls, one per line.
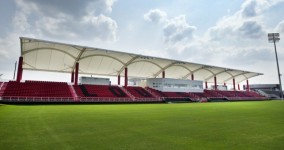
point(37, 89)
point(99, 91)
point(139, 92)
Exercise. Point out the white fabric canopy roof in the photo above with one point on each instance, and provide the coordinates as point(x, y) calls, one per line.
point(50, 56)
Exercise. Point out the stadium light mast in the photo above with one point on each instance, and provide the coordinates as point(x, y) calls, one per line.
point(273, 38)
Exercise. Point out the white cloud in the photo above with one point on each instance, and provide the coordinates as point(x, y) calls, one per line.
point(75, 8)
point(251, 29)
point(175, 29)
point(249, 56)
point(235, 28)
point(9, 54)
point(156, 16)
point(54, 27)
point(105, 6)
point(280, 27)
point(249, 9)
point(102, 27)
point(57, 20)
point(245, 24)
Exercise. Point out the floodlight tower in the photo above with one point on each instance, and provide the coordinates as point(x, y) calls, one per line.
point(274, 37)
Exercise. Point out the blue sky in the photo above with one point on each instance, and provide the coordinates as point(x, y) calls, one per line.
point(222, 33)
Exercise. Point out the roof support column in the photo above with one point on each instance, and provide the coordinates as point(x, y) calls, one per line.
point(20, 69)
point(238, 86)
point(206, 85)
point(224, 83)
point(234, 84)
point(247, 85)
point(125, 77)
point(192, 76)
point(215, 83)
point(72, 76)
point(118, 79)
point(163, 74)
point(76, 73)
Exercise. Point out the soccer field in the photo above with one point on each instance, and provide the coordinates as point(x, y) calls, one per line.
point(224, 125)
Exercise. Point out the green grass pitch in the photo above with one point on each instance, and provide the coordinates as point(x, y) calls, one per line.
point(224, 125)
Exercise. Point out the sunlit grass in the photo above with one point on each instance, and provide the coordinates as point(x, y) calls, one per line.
point(227, 125)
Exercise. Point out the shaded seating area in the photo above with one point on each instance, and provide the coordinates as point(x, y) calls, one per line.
point(172, 96)
point(212, 94)
point(139, 92)
point(101, 93)
point(168, 94)
point(230, 94)
point(157, 92)
point(250, 93)
point(241, 95)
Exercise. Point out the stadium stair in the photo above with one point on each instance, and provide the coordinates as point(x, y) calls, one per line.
point(2, 87)
point(128, 93)
point(74, 94)
point(141, 94)
point(270, 94)
point(152, 93)
point(117, 91)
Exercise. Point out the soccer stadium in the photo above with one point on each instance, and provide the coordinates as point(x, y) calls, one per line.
point(162, 103)
point(162, 80)
point(141, 75)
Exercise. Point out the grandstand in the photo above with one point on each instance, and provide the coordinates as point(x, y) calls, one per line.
point(272, 91)
point(171, 80)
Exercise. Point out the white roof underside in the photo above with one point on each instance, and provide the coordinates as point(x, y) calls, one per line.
point(59, 57)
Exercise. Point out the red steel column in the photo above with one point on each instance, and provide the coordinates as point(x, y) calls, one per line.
point(234, 84)
point(206, 85)
point(20, 69)
point(125, 77)
point(238, 86)
point(247, 85)
point(215, 83)
point(118, 79)
point(192, 76)
point(163, 74)
point(76, 73)
point(72, 76)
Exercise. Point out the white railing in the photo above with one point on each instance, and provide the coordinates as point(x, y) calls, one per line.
point(147, 100)
point(71, 99)
point(108, 99)
point(36, 99)
point(104, 99)
point(246, 98)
